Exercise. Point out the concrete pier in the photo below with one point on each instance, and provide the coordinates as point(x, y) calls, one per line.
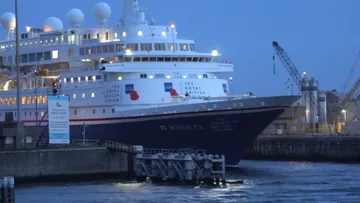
point(41, 164)
point(307, 148)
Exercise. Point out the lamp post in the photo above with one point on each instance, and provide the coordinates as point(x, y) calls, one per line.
point(17, 64)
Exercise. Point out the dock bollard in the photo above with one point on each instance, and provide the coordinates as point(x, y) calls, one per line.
point(7, 190)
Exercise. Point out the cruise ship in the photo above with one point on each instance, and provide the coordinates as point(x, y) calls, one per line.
point(134, 82)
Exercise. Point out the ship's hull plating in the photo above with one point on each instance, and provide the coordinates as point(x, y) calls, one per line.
point(226, 132)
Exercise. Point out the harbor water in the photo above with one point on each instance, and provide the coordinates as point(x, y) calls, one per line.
point(264, 181)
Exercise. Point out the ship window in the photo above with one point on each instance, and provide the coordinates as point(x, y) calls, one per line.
point(146, 46)
point(184, 47)
point(93, 50)
point(82, 78)
point(192, 47)
point(192, 75)
point(119, 47)
point(32, 57)
point(160, 59)
point(128, 89)
point(83, 95)
point(107, 36)
point(167, 58)
point(133, 46)
point(98, 77)
point(225, 88)
point(42, 113)
point(10, 59)
point(88, 51)
point(145, 59)
point(143, 75)
point(24, 58)
point(104, 111)
point(1, 60)
point(92, 95)
point(208, 59)
point(83, 112)
point(55, 54)
point(68, 79)
point(127, 59)
point(175, 59)
point(159, 46)
point(93, 111)
point(105, 49)
point(82, 51)
point(201, 59)
point(159, 75)
point(23, 100)
point(205, 76)
point(195, 59)
point(182, 59)
point(136, 59)
point(40, 99)
point(98, 49)
point(152, 58)
point(75, 112)
point(74, 96)
point(98, 35)
point(30, 113)
point(85, 36)
point(113, 110)
point(168, 86)
point(111, 48)
point(47, 55)
point(171, 47)
point(25, 113)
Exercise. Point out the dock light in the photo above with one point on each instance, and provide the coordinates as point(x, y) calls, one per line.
point(214, 52)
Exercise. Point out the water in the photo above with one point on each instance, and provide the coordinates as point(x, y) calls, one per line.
point(263, 182)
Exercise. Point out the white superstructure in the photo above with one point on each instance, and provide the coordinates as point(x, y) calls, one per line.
point(105, 70)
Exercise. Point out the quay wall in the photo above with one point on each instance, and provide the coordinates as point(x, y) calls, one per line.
point(62, 162)
point(306, 148)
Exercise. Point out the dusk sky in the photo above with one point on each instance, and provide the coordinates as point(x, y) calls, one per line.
point(322, 37)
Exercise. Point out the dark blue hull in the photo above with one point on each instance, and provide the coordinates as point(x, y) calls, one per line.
point(228, 132)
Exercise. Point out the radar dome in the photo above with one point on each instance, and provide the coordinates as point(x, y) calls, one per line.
point(102, 12)
point(75, 17)
point(53, 24)
point(8, 21)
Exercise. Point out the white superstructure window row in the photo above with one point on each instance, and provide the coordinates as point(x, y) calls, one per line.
point(110, 48)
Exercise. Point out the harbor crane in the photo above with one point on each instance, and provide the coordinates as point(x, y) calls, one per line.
point(353, 92)
point(296, 76)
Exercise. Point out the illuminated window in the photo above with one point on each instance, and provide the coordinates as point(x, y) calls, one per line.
point(45, 99)
point(28, 100)
point(55, 54)
point(92, 95)
point(40, 99)
point(83, 95)
point(71, 52)
point(33, 99)
point(23, 100)
point(83, 112)
point(74, 96)
point(42, 113)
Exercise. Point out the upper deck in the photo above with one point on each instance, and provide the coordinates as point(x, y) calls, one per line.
point(133, 35)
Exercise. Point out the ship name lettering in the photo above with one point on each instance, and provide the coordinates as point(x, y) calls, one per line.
point(180, 127)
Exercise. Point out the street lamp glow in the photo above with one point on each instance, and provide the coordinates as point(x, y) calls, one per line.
point(214, 52)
